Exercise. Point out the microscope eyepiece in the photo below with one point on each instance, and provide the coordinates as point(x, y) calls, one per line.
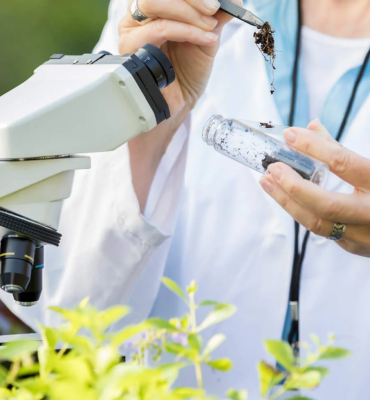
point(158, 64)
point(17, 259)
point(32, 294)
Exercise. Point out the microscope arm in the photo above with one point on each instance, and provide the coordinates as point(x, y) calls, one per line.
point(72, 105)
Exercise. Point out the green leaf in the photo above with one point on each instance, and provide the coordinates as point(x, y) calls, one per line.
point(3, 375)
point(187, 393)
point(213, 343)
point(269, 377)
point(316, 340)
point(127, 333)
point(5, 393)
point(35, 385)
point(192, 288)
point(307, 380)
point(282, 352)
point(33, 369)
point(334, 353)
point(48, 336)
point(208, 303)
point(170, 371)
point(47, 359)
point(222, 364)
point(179, 350)
point(219, 314)
point(300, 398)
point(185, 321)
point(195, 342)
point(237, 395)
point(158, 323)
point(84, 302)
point(16, 350)
point(72, 367)
point(105, 358)
point(323, 371)
point(170, 284)
point(113, 314)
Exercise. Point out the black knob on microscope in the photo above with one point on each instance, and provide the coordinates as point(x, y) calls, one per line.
point(158, 64)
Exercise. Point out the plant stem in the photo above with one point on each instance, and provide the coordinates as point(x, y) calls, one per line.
point(198, 373)
point(193, 320)
point(62, 350)
point(14, 369)
point(193, 328)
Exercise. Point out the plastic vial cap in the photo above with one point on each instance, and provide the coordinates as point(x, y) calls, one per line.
point(210, 128)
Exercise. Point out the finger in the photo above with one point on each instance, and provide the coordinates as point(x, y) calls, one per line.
point(356, 239)
point(319, 130)
point(354, 248)
point(337, 207)
point(161, 30)
point(207, 7)
point(344, 163)
point(223, 18)
point(358, 234)
point(311, 221)
point(175, 10)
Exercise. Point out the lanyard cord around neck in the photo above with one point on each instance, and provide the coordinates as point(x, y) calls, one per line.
point(299, 255)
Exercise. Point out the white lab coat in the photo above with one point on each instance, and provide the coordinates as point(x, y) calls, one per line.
point(220, 229)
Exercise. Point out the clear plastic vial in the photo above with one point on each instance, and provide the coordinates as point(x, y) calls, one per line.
point(250, 144)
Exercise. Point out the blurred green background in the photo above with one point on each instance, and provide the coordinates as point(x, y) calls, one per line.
point(32, 30)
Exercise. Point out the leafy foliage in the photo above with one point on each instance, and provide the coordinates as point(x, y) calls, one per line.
point(298, 373)
point(88, 364)
point(32, 31)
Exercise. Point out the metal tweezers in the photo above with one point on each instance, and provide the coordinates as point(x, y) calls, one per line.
point(240, 13)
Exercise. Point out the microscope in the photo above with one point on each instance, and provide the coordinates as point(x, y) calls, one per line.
point(72, 105)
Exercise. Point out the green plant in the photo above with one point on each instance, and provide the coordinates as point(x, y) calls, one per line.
point(88, 365)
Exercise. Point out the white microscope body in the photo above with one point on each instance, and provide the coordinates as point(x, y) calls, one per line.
point(72, 105)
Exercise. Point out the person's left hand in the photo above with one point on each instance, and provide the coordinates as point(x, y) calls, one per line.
point(316, 208)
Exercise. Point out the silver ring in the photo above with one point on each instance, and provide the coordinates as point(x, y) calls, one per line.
point(136, 14)
point(338, 231)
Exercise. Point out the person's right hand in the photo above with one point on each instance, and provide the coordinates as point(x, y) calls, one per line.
point(188, 32)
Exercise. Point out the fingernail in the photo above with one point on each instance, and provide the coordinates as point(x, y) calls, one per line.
point(276, 171)
point(210, 21)
point(267, 185)
point(290, 136)
point(211, 36)
point(212, 5)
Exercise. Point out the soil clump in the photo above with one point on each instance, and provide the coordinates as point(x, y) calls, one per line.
point(267, 124)
point(265, 42)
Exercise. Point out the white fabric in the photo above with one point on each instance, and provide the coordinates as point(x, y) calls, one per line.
point(325, 59)
point(230, 236)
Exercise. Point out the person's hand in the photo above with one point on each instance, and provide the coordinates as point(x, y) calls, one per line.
point(188, 32)
point(316, 208)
